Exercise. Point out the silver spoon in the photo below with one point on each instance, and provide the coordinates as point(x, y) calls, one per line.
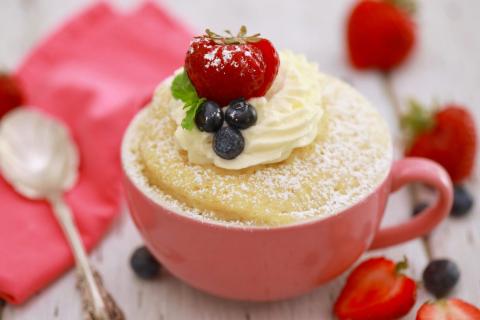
point(40, 160)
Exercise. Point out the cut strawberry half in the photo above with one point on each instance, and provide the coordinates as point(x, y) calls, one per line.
point(376, 290)
point(451, 309)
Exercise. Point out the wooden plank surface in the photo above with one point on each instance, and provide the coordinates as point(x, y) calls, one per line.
point(446, 65)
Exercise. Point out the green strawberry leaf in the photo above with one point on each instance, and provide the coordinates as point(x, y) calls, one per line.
point(182, 89)
point(417, 120)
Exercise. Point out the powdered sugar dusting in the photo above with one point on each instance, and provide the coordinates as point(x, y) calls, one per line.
point(220, 57)
point(134, 169)
point(226, 55)
point(349, 159)
point(209, 56)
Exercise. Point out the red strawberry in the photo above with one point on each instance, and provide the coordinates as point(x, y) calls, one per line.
point(10, 94)
point(451, 309)
point(447, 136)
point(376, 290)
point(380, 33)
point(270, 56)
point(226, 68)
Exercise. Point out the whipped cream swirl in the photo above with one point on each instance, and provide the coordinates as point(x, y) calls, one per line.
point(289, 117)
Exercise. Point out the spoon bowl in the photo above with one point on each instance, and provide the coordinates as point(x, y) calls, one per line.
point(37, 155)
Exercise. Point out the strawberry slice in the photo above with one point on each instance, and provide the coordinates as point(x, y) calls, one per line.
point(376, 290)
point(451, 309)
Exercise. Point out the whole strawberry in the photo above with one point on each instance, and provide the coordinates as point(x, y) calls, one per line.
point(380, 33)
point(447, 136)
point(223, 69)
point(10, 93)
point(376, 290)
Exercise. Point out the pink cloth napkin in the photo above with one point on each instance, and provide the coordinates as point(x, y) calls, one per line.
point(93, 74)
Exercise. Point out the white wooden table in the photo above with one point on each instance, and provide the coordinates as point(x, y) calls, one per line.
point(445, 66)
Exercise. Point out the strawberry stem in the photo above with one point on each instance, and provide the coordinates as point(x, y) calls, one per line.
point(443, 303)
point(401, 265)
point(409, 6)
point(240, 38)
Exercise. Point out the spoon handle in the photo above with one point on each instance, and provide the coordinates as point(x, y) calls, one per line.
point(65, 218)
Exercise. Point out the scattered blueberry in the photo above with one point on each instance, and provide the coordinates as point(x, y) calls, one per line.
point(228, 143)
point(209, 117)
point(144, 263)
point(3, 303)
point(240, 114)
point(419, 207)
point(462, 202)
point(440, 276)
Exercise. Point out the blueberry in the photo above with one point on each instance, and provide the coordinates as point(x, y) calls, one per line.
point(462, 202)
point(144, 263)
point(440, 276)
point(3, 303)
point(240, 114)
point(419, 207)
point(209, 117)
point(228, 143)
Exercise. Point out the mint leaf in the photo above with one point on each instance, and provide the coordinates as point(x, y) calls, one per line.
point(182, 89)
point(191, 111)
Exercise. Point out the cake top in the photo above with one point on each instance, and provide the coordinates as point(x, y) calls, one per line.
point(348, 159)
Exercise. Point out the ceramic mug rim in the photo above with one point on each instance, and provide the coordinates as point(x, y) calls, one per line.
point(126, 161)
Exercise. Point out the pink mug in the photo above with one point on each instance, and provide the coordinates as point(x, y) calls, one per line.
point(262, 263)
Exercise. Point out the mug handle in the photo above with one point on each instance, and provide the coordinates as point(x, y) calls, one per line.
point(417, 170)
